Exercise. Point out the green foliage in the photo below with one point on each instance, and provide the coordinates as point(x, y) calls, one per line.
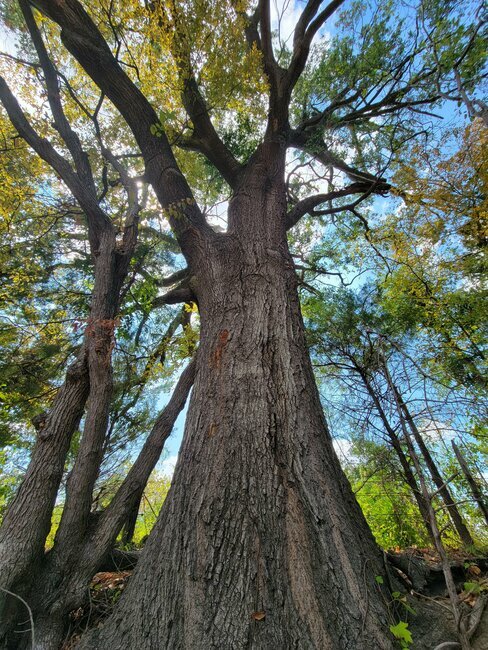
point(437, 244)
point(401, 632)
point(385, 500)
point(402, 600)
point(154, 496)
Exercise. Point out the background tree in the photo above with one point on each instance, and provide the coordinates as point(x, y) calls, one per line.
point(355, 344)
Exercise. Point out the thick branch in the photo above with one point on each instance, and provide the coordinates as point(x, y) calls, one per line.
point(278, 98)
point(206, 140)
point(181, 293)
point(85, 42)
point(305, 31)
point(177, 276)
point(133, 486)
point(310, 202)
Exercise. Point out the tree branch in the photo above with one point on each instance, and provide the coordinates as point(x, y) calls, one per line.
point(96, 217)
point(62, 125)
point(302, 39)
point(84, 41)
point(309, 203)
point(206, 139)
point(177, 276)
point(181, 293)
point(307, 141)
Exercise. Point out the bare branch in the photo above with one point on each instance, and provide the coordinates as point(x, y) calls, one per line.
point(309, 203)
point(307, 141)
point(177, 276)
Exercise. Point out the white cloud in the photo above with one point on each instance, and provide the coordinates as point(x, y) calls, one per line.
point(342, 448)
point(284, 17)
point(168, 465)
point(436, 431)
point(8, 41)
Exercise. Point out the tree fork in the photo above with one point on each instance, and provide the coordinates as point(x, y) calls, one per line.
point(62, 582)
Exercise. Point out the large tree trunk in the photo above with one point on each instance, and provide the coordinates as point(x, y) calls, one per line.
point(261, 543)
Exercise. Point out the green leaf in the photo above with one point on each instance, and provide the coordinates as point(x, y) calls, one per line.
point(400, 631)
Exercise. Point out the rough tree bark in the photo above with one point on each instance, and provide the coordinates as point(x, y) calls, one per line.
point(260, 531)
point(28, 519)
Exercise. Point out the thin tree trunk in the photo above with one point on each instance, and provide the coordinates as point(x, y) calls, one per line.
point(475, 488)
point(28, 519)
point(260, 543)
point(459, 621)
point(63, 584)
point(131, 523)
point(407, 470)
point(444, 492)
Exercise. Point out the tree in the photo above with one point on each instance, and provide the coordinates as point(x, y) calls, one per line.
point(351, 335)
point(436, 244)
point(260, 529)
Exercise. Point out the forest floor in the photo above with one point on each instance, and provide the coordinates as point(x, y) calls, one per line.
point(418, 586)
